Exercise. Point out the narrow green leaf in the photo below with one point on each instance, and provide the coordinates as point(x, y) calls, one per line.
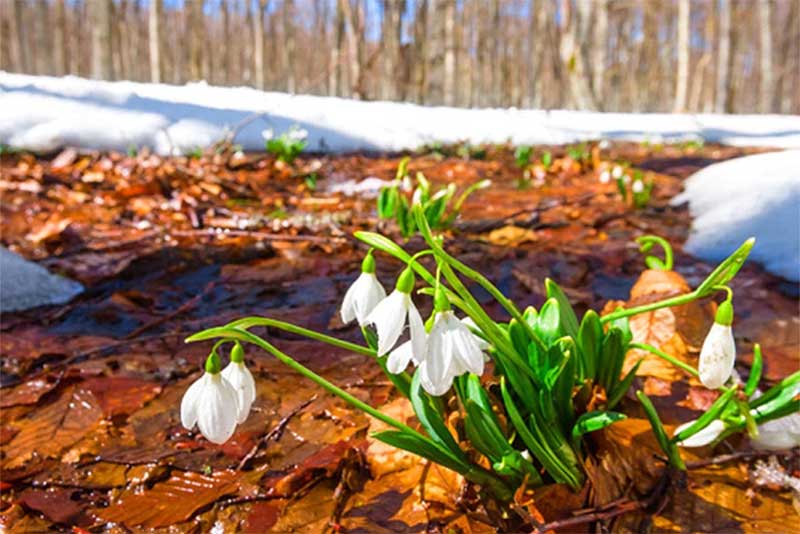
point(595, 420)
point(704, 420)
point(726, 270)
point(421, 447)
point(622, 387)
point(569, 321)
point(590, 342)
point(755, 372)
point(669, 448)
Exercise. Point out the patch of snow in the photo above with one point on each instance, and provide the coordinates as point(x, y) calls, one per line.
point(369, 187)
point(750, 196)
point(25, 285)
point(45, 113)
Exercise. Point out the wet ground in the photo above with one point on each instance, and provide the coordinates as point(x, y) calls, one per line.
point(91, 437)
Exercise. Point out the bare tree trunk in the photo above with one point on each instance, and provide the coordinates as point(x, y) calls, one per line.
point(765, 38)
point(194, 30)
point(420, 73)
point(723, 56)
point(100, 13)
point(392, 15)
point(496, 65)
point(18, 49)
point(258, 44)
point(60, 42)
point(355, 44)
point(572, 58)
point(682, 81)
point(335, 70)
point(225, 15)
point(449, 86)
point(599, 52)
point(289, 45)
point(154, 40)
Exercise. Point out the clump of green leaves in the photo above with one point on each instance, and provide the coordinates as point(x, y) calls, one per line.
point(580, 153)
point(287, 146)
point(441, 207)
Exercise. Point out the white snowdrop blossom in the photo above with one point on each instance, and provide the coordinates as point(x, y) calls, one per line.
point(638, 186)
point(267, 134)
point(241, 380)
point(778, 434)
point(605, 177)
point(363, 295)
point(392, 313)
point(616, 172)
point(452, 350)
point(401, 356)
point(703, 437)
point(211, 403)
point(298, 134)
point(718, 353)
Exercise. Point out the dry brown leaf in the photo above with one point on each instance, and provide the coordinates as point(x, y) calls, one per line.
point(169, 502)
point(53, 428)
point(509, 236)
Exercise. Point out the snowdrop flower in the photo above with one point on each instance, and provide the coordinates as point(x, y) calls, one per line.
point(616, 172)
point(452, 350)
point(389, 317)
point(605, 177)
point(267, 134)
point(298, 134)
point(703, 437)
point(211, 403)
point(778, 434)
point(241, 380)
point(365, 293)
point(638, 186)
point(719, 349)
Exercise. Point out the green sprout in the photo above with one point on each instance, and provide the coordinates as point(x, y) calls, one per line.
point(287, 146)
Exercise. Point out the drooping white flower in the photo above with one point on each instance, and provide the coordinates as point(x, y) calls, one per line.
point(363, 295)
point(778, 434)
point(605, 177)
point(241, 380)
point(616, 172)
point(638, 186)
point(703, 437)
point(400, 357)
point(211, 403)
point(267, 134)
point(452, 351)
point(392, 313)
point(298, 134)
point(718, 353)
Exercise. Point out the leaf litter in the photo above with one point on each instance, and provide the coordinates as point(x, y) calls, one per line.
point(91, 438)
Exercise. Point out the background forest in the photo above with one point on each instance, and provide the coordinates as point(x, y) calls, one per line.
point(736, 56)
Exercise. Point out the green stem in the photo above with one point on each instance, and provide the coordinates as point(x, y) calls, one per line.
point(664, 356)
point(666, 303)
point(244, 335)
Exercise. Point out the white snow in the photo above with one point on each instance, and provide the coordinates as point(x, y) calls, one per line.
point(25, 285)
point(45, 113)
point(749, 196)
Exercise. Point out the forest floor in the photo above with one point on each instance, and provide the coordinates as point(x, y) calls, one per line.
point(91, 437)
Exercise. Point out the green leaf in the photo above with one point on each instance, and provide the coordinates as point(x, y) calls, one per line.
point(726, 270)
point(622, 387)
point(383, 244)
point(402, 168)
point(755, 372)
point(704, 420)
point(593, 421)
point(485, 425)
point(549, 323)
point(590, 343)
point(519, 338)
point(431, 419)
point(611, 358)
point(421, 447)
point(669, 448)
point(569, 321)
point(562, 392)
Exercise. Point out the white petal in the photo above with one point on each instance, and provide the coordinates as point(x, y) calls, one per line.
point(470, 324)
point(348, 310)
point(438, 360)
point(389, 317)
point(717, 356)
point(189, 402)
point(241, 380)
point(217, 410)
point(778, 434)
point(702, 438)
point(399, 358)
point(465, 348)
point(419, 337)
point(434, 386)
point(370, 292)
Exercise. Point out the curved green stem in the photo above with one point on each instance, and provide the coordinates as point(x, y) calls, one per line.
point(646, 243)
point(664, 356)
point(666, 303)
point(244, 335)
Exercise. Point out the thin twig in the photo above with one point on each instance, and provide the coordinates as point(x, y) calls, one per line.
point(741, 455)
point(258, 235)
point(591, 517)
point(189, 304)
point(275, 433)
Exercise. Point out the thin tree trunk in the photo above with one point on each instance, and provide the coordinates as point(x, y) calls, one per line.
point(154, 40)
point(100, 13)
point(226, 38)
point(355, 39)
point(449, 85)
point(572, 58)
point(765, 38)
point(682, 81)
point(599, 52)
point(723, 56)
point(289, 45)
point(335, 70)
point(391, 26)
point(194, 30)
point(258, 44)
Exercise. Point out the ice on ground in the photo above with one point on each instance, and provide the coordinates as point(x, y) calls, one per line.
point(44, 113)
point(25, 285)
point(749, 196)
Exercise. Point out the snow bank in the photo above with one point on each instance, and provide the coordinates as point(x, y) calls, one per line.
point(25, 285)
point(44, 113)
point(750, 196)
